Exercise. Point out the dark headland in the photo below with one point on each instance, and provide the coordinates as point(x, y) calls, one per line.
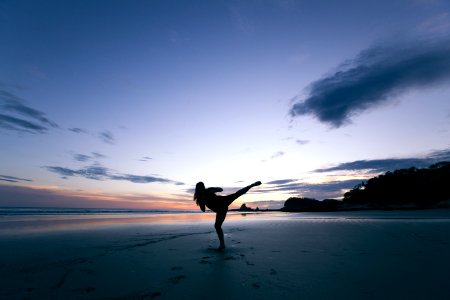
point(403, 189)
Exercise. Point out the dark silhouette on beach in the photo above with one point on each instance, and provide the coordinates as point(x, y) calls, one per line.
point(422, 188)
point(219, 204)
point(302, 204)
point(411, 188)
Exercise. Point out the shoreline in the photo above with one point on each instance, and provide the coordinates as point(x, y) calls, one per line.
point(36, 223)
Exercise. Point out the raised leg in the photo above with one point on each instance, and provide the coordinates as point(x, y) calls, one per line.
point(241, 192)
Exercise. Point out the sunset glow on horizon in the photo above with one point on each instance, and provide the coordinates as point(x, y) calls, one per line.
point(129, 104)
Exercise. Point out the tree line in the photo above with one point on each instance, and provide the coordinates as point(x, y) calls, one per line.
point(403, 188)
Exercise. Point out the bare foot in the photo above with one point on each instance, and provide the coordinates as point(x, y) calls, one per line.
point(256, 183)
point(221, 247)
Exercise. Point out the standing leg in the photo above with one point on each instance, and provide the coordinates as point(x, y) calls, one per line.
point(220, 217)
point(222, 213)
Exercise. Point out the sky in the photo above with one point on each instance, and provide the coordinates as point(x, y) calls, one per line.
point(128, 104)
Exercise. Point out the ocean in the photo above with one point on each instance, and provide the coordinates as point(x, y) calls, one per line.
point(31, 211)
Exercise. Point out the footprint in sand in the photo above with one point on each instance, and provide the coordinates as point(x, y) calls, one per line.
point(62, 279)
point(88, 289)
point(205, 262)
point(256, 285)
point(155, 295)
point(176, 279)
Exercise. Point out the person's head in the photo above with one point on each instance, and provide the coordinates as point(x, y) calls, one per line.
point(199, 192)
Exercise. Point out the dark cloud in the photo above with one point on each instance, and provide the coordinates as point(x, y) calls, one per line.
point(141, 179)
point(294, 187)
point(95, 172)
point(332, 189)
point(281, 181)
point(65, 172)
point(13, 123)
point(376, 76)
point(98, 155)
point(145, 158)
point(81, 157)
point(302, 142)
point(85, 158)
point(98, 172)
point(77, 130)
point(8, 178)
point(17, 116)
point(107, 137)
point(390, 164)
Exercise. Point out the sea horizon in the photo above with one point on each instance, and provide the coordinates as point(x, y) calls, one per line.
point(4, 211)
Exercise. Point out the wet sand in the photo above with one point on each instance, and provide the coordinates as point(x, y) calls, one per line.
point(357, 255)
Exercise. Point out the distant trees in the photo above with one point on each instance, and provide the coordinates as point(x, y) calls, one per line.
point(244, 207)
point(419, 187)
point(415, 188)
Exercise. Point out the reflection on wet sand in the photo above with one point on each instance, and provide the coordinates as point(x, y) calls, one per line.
point(49, 223)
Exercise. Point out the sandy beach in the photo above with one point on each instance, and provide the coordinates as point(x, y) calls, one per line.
point(347, 255)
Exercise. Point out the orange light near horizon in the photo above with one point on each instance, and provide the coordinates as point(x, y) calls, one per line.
point(54, 196)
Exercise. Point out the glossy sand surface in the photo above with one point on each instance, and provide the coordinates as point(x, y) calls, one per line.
point(358, 255)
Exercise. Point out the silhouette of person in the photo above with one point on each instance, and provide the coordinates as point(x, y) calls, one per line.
point(218, 204)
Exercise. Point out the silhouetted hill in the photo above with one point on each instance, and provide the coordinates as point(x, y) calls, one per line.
point(402, 189)
point(421, 188)
point(244, 207)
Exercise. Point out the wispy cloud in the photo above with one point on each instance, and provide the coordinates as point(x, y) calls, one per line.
point(81, 157)
point(336, 188)
point(77, 130)
point(281, 181)
point(275, 155)
point(333, 189)
point(16, 116)
point(8, 178)
point(302, 142)
point(145, 159)
point(376, 76)
point(98, 172)
point(297, 187)
point(20, 196)
point(278, 154)
point(97, 155)
point(84, 157)
point(390, 164)
point(439, 23)
point(107, 137)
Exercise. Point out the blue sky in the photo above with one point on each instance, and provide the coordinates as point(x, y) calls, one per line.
point(130, 103)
